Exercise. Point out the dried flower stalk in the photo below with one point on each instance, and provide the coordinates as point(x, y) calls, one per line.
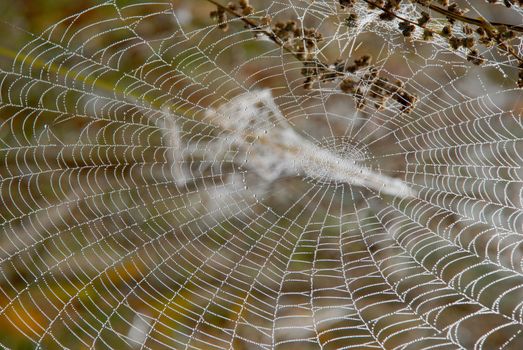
point(303, 43)
point(487, 33)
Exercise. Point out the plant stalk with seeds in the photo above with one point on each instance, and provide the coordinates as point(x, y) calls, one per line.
point(489, 32)
point(289, 37)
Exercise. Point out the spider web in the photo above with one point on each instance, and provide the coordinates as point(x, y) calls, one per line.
point(166, 184)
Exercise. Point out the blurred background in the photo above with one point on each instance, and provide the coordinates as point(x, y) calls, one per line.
point(102, 246)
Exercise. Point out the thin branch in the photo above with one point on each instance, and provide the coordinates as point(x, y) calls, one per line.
point(269, 34)
point(483, 24)
point(390, 12)
point(473, 21)
point(252, 25)
point(330, 72)
point(477, 22)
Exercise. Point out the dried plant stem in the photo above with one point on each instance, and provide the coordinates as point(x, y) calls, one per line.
point(477, 22)
point(251, 24)
point(450, 14)
point(473, 21)
point(483, 24)
point(390, 12)
point(269, 34)
point(316, 70)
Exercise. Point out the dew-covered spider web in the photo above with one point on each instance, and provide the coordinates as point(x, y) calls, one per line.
point(166, 184)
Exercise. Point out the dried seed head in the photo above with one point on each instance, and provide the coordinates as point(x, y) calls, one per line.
point(428, 34)
point(363, 61)
point(474, 57)
point(348, 86)
point(220, 17)
point(406, 101)
point(467, 42)
point(424, 19)
point(387, 16)
point(347, 3)
point(446, 31)
point(406, 28)
point(454, 42)
point(376, 4)
point(352, 20)
point(480, 31)
point(247, 10)
point(454, 8)
point(266, 21)
point(307, 84)
point(467, 30)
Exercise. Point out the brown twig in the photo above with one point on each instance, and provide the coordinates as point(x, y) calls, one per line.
point(477, 22)
point(483, 24)
point(465, 19)
point(251, 24)
point(402, 97)
point(390, 12)
point(269, 34)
